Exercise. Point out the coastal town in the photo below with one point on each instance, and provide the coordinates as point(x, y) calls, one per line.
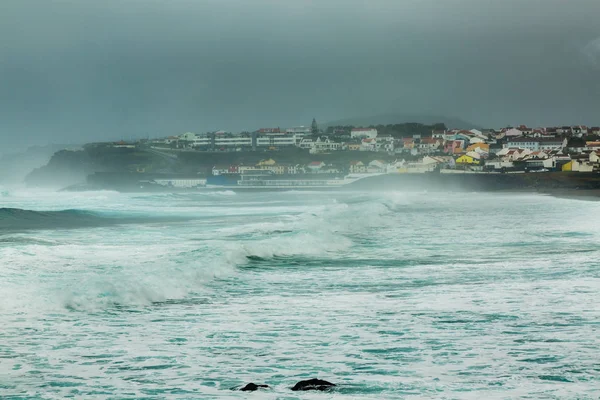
point(507, 150)
point(306, 156)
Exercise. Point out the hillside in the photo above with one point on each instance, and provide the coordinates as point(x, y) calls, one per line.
point(399, 118)
point(15, 166)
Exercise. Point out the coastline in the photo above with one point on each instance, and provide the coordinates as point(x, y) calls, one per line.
point(573, 194)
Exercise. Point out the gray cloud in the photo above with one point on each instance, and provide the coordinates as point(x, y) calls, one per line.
point(73, 70)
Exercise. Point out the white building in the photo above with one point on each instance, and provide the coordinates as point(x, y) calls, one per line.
point(306, 143)
point(324, 146)
point(513, 132)
point(316, 166)
point(535, 144)
point(368, 145)
point(194, 140)
point(358, 167)
point(232, 141)
point(276, 140)
point(370, 133)
point(384, 143)
point(300, 132)
point(377, 166)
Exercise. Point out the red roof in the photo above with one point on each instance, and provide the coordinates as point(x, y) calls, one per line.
point(429, 140)
point(315, 163)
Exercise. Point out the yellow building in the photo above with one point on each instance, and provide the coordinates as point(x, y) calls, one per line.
point(466, 159)
point(568, 166)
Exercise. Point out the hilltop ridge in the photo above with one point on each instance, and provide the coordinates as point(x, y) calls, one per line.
point(400, 118)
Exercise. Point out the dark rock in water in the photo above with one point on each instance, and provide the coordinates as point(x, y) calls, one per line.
point(252, 387)
point(313, 384)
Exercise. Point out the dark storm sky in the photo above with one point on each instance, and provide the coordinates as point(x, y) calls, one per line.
point(77, 70)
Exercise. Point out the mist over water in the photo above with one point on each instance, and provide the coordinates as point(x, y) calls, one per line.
point(390, 295)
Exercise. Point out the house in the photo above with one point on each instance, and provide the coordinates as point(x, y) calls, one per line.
point(278, 169)
point(357, 167)
point(429, 145)
point(477, 133)
point(481, 148)
point(525, 130)
point(454, 146)
point(299, 132)
point(324, 146)
point(368, 145)
point(370, 133)
point(476, 139)
point(294, 169)
point(408, 143)
point(592, 145)
point(416, 167)
point(377, 166)
point(513, 133)
point(470, 158)
point(595, 157)
point(316, 166)
point(438, 134)
point(498, 164)
point(220, 170)
point(329, 169)
point(513, 154)
point(384, 143)
point(353, 146)
point(580, 164)
point(441, 161)
point(306, 143)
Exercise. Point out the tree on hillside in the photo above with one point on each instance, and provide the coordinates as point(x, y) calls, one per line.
point(314, 127)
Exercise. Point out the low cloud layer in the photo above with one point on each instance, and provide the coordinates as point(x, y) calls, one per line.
point(75, 71)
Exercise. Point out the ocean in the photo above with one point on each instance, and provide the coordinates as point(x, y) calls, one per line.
point(389, 295)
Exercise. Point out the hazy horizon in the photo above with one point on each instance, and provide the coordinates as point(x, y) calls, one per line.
point(74, 72)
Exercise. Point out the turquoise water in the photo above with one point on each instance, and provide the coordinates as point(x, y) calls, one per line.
point(390, 295)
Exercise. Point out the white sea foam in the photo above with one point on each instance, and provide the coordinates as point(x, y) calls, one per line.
point(389, 295)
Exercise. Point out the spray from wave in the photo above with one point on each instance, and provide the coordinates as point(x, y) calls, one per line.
point(184, 258)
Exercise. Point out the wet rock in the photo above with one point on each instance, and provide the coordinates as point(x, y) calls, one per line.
point(313, 384)
point(252, 387)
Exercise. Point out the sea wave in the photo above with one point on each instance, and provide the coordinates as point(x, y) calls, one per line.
point(20, 219)
point(17, 219)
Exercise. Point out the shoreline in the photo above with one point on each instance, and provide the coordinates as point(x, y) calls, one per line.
point(573, 194)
